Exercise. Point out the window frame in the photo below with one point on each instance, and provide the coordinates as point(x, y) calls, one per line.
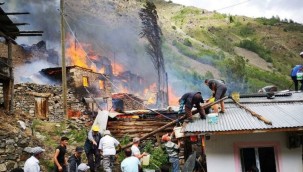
point(83, 81)
point(240, 145)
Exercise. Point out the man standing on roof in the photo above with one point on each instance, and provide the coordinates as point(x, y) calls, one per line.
point(108, 146)
point(59, 157)
point(296, 75)
point(135, 149)
point(32, 163)
point(91, 148)
point(189, 100)
point(219, 89)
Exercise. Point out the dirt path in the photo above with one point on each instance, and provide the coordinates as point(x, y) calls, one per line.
point(254, 59)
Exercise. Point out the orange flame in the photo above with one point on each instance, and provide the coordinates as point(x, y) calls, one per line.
point(173, 98)
point(150, 94)
point(117, 68)
point(76, 53)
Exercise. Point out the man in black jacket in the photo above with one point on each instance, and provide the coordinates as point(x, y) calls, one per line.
point(75, 159)
point(189, 100)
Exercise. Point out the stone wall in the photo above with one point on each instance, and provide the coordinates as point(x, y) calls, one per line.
point(12, 145)
point(26, 93)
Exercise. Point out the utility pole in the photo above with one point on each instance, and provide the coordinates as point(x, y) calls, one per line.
point(64, 87)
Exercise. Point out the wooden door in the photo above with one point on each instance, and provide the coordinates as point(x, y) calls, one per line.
point(41, 107)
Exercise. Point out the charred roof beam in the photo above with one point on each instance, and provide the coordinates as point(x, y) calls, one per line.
point(15, 13)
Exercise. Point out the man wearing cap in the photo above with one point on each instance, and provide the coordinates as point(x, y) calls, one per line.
point(59, 157)
point(107, 147)
point(75, 160)
point(172, 150)
point(91, 148)
point(135, 149)
point(32, 163)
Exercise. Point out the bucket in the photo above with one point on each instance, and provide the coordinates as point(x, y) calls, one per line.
point(212, 118)
point(236, 96)
point(145, 160)
point(300, 76)
point(178, 132)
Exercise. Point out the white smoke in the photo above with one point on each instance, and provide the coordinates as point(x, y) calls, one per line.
point(30, 73)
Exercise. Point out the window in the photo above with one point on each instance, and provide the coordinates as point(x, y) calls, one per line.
point(262, 158)
point(101, 84)
point(85, 81)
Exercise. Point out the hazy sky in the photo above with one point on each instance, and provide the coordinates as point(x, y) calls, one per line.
point(290, 9)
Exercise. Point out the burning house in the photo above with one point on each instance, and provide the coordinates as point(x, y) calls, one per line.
point(84, 83)
point(124, 102)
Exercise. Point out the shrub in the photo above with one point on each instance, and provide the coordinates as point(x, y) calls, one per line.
point(272, 21)
point(187, 42)
point(158, 156)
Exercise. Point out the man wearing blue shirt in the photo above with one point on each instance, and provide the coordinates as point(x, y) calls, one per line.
point(295, 70)
point(130, 163)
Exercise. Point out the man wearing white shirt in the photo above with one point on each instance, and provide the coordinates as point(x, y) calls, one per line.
point(135, 148)
point(107, 146)
point(32, 163)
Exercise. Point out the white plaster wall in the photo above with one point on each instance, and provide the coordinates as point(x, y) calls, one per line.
point(220, 151)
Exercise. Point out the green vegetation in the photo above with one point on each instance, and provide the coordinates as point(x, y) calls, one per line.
point(186, 12)
point(246, 30)
point(252, 45)
point(158, 156)
point(187, 42)
point(272, 21)
point(259, 77)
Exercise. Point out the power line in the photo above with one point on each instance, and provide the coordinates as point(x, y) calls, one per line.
point(232, 5)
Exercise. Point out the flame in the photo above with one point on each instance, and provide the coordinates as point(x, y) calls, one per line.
point(76, 54)
point(117, 68)
point(150, 94)
point(172, 97)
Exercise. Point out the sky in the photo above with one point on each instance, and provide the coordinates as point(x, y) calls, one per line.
point(289, 9)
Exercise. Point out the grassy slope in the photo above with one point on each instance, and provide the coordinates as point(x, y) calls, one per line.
point(212, 34)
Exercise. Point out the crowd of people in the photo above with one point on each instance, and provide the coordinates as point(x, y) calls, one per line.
point(97, 148)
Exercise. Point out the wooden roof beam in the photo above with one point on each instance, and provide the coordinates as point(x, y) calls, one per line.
point(33, 34)
point(15, 13)
point(20, 32)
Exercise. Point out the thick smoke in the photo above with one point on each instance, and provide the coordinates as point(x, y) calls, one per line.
point(107, 25)
point(44, 16)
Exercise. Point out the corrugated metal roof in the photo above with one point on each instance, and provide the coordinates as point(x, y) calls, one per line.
point(281, 114)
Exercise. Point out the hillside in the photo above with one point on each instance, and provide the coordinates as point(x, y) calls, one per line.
point(247, 53)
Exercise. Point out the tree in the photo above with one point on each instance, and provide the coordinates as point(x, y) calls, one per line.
point(152, 32)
